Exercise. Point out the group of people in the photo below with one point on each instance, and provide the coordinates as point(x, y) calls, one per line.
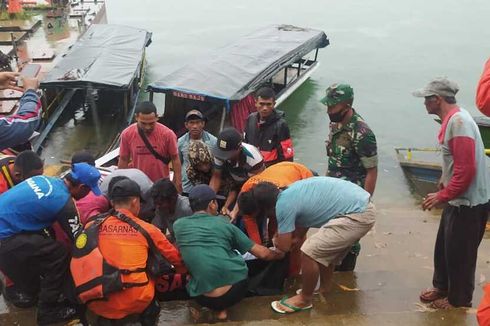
point(102, 242)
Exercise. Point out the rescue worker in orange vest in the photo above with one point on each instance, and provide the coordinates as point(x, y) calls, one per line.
point(14, 170)
point(126, 248)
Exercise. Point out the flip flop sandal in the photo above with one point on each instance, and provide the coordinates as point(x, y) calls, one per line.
point(275, 307)
point(432, 294)
point(298, 292)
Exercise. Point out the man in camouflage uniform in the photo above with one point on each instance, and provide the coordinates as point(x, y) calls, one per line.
point(351, 148)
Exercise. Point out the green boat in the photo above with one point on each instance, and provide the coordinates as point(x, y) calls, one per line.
point(484, 126)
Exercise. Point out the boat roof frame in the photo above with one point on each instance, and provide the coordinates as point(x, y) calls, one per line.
point(106, 56)
point(283, 45)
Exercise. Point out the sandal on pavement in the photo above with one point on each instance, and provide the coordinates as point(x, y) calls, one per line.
point(432, 294)
point(282, 302)
point(442, 304)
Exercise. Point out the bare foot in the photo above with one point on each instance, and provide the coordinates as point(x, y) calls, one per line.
point(221, 315)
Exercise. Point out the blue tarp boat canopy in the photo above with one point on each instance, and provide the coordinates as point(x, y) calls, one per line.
point(232, 72)
point(106, 56)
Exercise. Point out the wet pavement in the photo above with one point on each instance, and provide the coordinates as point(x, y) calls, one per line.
point(395, 264)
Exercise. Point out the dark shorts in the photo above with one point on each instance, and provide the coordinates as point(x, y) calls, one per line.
point(234, 295)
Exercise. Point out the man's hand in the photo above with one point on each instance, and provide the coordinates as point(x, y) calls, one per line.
point(30, 83)
point(431, 201)
point(178, 185)
point(225, 211)
point(8, 80)
point(234, 213)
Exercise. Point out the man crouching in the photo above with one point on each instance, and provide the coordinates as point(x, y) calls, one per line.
point(209, 245)
point(126, 244)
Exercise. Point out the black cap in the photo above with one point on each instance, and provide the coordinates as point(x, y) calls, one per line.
point(194, 115)
point(203, 192)
point(83, 157)
point(124, 188)
point(229, 140)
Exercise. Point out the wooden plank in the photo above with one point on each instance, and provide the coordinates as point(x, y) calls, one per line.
point(6, 39)
point(8, 107)
point(8, 101)
point(30, 27)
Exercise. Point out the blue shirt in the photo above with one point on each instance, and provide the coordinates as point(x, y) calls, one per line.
point(315, 201)
point(183, 145)
point(32, 205)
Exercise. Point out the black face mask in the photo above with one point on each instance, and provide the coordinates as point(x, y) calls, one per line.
point(337, 117)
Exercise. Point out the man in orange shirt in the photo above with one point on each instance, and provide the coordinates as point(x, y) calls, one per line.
point(125, 248)
point(282, 175)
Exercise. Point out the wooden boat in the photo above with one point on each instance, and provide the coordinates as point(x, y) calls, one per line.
point(423, 175)
point(221, 83)
point(42, 39)
point(100, 77)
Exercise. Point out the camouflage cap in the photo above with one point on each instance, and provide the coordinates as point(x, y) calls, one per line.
point(439, 86)
point(337, 93)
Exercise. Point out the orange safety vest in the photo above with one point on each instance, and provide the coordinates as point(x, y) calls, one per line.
point(94, 277)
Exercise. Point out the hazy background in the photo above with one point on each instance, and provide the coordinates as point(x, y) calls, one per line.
point(384, 49)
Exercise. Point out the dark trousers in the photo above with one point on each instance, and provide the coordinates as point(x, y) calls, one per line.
point(460, 232)
point(35, 263)
point(234, 295)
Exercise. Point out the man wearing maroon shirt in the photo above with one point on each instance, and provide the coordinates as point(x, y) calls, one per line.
point(162, 140)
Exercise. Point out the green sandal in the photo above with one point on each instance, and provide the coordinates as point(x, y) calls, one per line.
point(275, 307)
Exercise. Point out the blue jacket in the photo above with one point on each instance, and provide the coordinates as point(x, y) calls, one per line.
point(17, 129)
point(35, 204)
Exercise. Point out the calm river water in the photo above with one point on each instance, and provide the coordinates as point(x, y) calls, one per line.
point(384, 49)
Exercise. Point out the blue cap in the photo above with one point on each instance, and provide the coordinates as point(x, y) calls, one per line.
point(203, 193)
point(87, 175)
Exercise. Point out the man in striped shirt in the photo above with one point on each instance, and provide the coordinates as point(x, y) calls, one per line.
point(465, 189)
